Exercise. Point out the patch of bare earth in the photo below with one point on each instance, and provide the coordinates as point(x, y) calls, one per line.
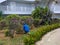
point(2, 35)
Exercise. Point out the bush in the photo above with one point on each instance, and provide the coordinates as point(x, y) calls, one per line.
point(19, 30)
point(13, 22)
point(37, 13)
point(37, 33)
point(27, 19)
point(6, 32)
point(1, 15)
point(55, 20)
point(9, 17)
point(42, 13)
point(36, 22)
point(3, 24)
point(9, 33)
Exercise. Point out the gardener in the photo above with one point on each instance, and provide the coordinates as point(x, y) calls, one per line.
point(26, 28)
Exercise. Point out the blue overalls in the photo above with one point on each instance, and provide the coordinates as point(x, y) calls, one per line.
point(26, 28)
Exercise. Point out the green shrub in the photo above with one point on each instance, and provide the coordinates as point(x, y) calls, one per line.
point(1, 15)
point(19, 30)
point(36, 22)
point(55, 20)
point(27, 19)
point(9, 17)
point(42, 13)
point(6, 32)
point(37, 34)
point(37, 13)
point(3, 24)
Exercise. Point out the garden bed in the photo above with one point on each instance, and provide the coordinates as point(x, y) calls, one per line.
point(37, 33)
point(30, 38)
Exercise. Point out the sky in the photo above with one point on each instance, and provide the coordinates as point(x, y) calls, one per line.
point(1, 1)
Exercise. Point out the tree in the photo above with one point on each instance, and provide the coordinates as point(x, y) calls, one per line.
point(46, 16)
point(42, 13)
point(13, 22)
point(37, 13)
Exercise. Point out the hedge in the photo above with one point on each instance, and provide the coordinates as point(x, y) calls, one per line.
point(37, 33)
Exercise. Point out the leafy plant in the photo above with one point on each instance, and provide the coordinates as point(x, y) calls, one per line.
point(36, 22)
point(13, 22)
point(1, 15)
point(3, 24)
point(42, 13)
point(37, 13)
point(6, 32)
point(37, 34)
point(27, 19)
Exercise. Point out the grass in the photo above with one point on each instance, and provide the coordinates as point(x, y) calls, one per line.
point(14, 41)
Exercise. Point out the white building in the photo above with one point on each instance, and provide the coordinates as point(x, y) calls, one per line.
point(27, 6)
point(18, 6)
point(55, 8)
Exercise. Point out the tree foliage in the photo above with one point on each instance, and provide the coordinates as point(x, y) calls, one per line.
point(37, 13)
point(42, 13)
point(0, 15)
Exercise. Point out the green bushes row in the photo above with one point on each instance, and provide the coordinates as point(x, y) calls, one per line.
point(15, 20)
point(36, 22)
point(37, 33)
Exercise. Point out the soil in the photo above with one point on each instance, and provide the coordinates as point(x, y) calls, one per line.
point(2, 35)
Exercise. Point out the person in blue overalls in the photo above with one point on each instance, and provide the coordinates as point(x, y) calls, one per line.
point(26, 28)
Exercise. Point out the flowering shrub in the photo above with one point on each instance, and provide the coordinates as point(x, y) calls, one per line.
point(13, 22)
point(27, 19)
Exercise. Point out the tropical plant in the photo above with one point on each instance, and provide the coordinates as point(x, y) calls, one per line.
point(42, 13)
point(37, 13)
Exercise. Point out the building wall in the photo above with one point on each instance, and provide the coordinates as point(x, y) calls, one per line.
point(21, 0)
point(20, 6)
point(56, 16)
point(55, 8)
point(17, 8)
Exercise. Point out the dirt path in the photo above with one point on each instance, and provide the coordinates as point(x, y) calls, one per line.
point(2, 35)
point(52, 38)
